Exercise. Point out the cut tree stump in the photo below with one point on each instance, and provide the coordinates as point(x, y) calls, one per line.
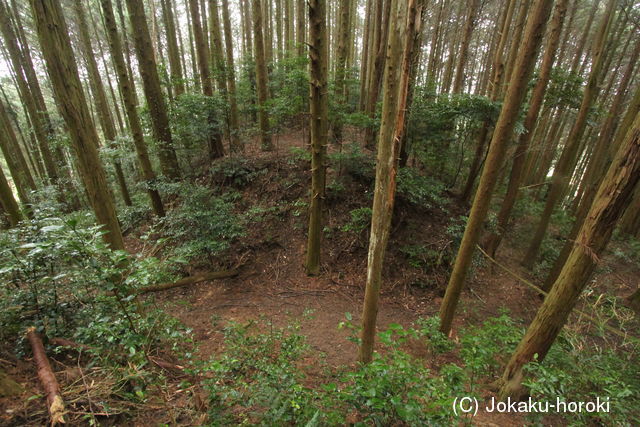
point(47, 378)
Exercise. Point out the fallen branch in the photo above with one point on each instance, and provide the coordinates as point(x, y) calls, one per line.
point(189, 281)
point(47, 378)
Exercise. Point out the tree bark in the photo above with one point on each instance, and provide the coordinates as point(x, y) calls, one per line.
point(515, 179)
point(234, 121)
point(63, 71)
point(55, 404)
point(319, 106)
point(266, 142)
point(474, 8)
point(396, 79)
point(172, 47)
point(516, 91)
point(127, 90)
point(152, 91)
point(562, 170)
point(9, 204)
point(613, 196)
point(102, 105)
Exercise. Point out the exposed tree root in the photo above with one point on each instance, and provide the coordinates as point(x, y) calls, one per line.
point(47, 378)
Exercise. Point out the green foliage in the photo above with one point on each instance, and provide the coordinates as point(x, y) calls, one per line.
point(420, 190)
point(202, 226)
point(579, 372)
point(484, 348)
point(360, 221)
point(194, 117)
point(564, 90)
point(422, 256)
point(60, 276)
point(234, 171)
point(289, 84)
point(352, 161)
point(258, 380)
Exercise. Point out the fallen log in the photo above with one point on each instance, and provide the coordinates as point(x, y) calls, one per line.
point(190, 280)
point(47, 378)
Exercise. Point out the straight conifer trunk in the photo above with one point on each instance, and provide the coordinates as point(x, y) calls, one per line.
point(261, 77)
point(130, 105)
point(61, 65)
point(402, 26)
point(534, 32)
point(152, 91)
point(563, 169)
point(234, 121)
point(614, 195)
point(319, 107)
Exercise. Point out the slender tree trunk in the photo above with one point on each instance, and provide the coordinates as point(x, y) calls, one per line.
point(516, 91)
point(300, 27)
point(599, 163)
point(152, 90)
point(8, 202)
point(215, 35)
point(38, 121)
point(341, 65)
point(382, 35)
point(261, 78)
point(364, 61)
point(127, 91)
point(553, 39)
point(474, 9)
point(61, 65)
point(562, 170)
point(396, 80)
point(15, 158)
point(515, 42)
point(97, 89)
point(172, 47)
point(614, 195)
point(319, 106)
point(234, 121)
point(583, 39)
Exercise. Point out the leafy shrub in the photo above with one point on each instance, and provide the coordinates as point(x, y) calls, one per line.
point(360, 221)
point(352, 161)
point(60, 276)
point(420, 190)
point(237, 171)
point(202, 226)
point(194, 117)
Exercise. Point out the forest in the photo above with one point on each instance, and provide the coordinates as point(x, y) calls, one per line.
point(319, 212)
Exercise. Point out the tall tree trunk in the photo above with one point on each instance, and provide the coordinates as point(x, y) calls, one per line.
point(97, 89)
point(599, 163)
point(396, 80)
point(341, 65)
point(215, 35)
point(382, 35)
point(234, 121)
point(261, 78)
point(15, 158)
point(152, 91)
point(515, 42)
point(300, 27)
point(364, 61)
point(127, 91)
point(319, 107)
point(614, 195)
point(553, 39)
point(61, 65)
point(38, 121)
point(8, 202)
point(562, 170)
point(516, 91)
point(172, 47)
point(474, 9)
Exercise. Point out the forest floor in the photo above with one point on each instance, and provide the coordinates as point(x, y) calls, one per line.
point(273, 289)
